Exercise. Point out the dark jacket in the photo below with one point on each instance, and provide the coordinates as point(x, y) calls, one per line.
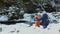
point(45, 20)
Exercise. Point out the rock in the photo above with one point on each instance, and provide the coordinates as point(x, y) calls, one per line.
point(59, 30)
point(17, 31)
point(0, 29)
point(12, 31)
point(48, 28)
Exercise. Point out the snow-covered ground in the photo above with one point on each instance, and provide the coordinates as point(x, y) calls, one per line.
point(22, 28)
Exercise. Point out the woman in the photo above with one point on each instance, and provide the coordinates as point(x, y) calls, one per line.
point(45, 20)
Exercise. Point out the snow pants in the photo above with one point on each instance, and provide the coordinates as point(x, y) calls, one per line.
point(37, 23)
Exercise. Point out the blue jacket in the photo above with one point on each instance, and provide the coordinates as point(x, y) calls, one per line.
point(44, 20)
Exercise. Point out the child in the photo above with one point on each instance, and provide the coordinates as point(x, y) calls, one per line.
point(37, 19)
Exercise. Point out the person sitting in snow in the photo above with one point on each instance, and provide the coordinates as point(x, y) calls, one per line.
point(37, 19)
point(45, 20)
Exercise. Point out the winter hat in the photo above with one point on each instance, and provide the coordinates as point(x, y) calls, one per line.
point(44, 12)
point(38, 13)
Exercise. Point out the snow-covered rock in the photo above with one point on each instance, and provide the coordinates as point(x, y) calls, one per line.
point(28, 17)
point(3, 18)
point(52, 18)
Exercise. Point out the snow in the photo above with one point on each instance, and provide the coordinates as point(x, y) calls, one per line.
point(52, 3)
point(22, 28)
point(3, 18)
point(28, 18)
point(52, 18)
